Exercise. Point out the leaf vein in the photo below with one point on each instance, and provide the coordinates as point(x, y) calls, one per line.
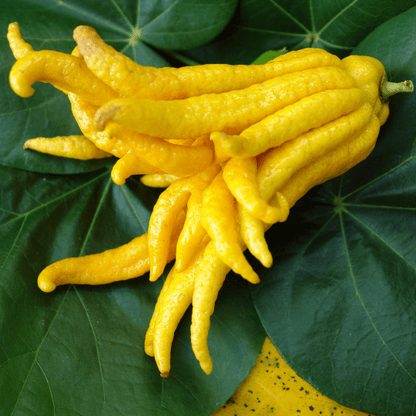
point(161, 14)
point(49, 386)
point(379, 206)
point(334, 45)
point(36, 353)
point(11, 249)
point(362, 302)
point(123, 188)
point(63, 196)
point(122, 14)
point(379, 177)
point(188, 389)
point(371, 370)
point(96, 345)
point(306, 247)
point(312, 16)
point(90, 15)
point(271, 32)
point(329, 23)
point(380, 238)
point(288, 15)
point(188, 32)
point(94, 219)
point(42, 104)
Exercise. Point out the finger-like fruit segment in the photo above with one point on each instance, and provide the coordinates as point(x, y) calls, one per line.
point(67, 72)
point(73, 147)
point(229, 112)
point(133, 80)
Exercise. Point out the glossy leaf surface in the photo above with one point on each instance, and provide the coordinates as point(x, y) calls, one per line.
point(80, 350)
point(261, 25)
point(137, 28)
point(339, 302)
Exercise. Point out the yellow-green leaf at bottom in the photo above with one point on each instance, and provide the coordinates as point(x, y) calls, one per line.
point(273, 388)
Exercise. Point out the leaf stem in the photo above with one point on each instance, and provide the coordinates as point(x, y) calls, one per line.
point(387, 89)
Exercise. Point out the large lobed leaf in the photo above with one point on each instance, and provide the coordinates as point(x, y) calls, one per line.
point(260, 25)
point(340, 301)
point(80, 350)
point(137, 28)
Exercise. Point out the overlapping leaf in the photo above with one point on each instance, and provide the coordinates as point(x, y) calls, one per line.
point(80, 350)
point(137, 28)
point(340, 301)
point(344, 285)
point(272, 387)
point(260, 25)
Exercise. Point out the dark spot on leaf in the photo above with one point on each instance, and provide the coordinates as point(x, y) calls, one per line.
point(311, 408)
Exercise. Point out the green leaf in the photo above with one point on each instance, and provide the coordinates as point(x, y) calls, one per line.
point(261, 25)
point(268, 56)
point(184, 24)
point(137, 28)
point(80, 349)
point(339, 302)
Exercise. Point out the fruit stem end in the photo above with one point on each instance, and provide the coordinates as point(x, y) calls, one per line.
point(387, 89)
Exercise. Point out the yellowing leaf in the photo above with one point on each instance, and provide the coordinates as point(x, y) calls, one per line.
point(273, 388)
